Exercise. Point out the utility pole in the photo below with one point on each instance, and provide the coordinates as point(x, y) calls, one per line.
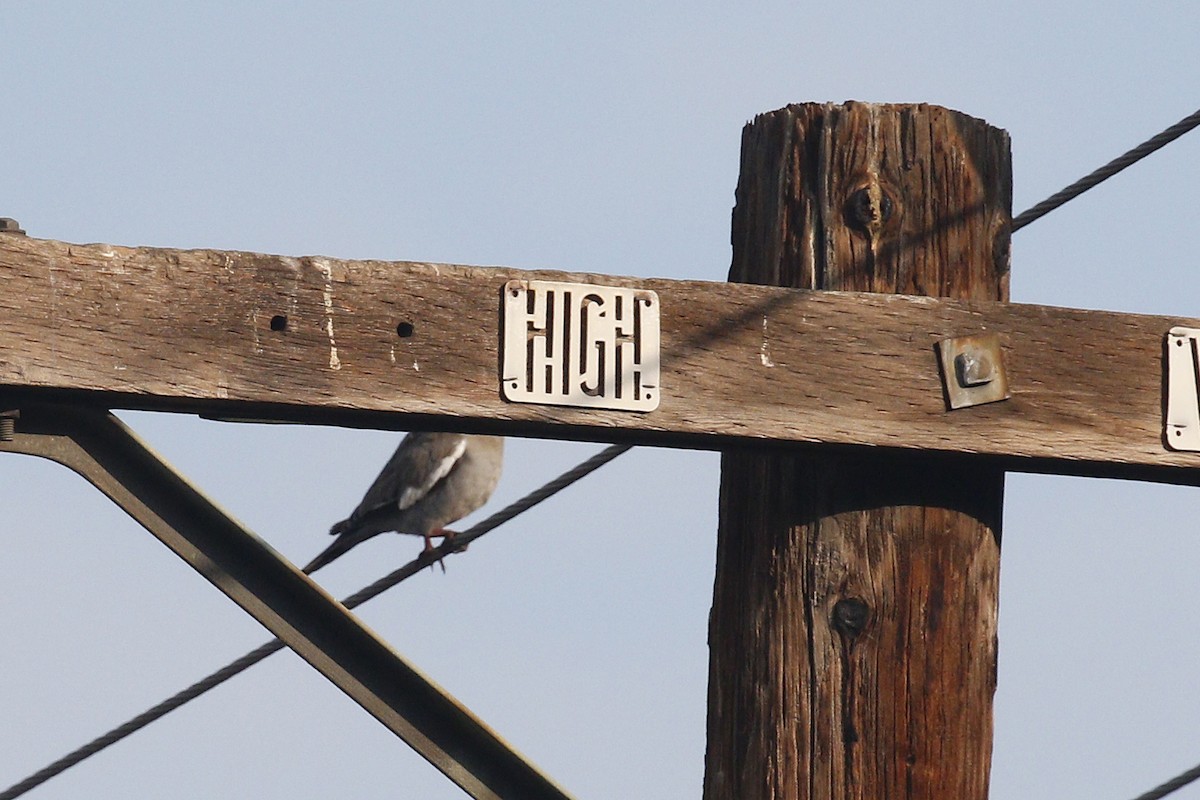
point(853, 628)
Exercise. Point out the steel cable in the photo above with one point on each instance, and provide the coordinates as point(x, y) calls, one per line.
point(1107, 171)
point(1178, 782)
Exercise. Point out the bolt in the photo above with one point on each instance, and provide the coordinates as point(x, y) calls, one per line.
point(974, 367)
point(10, 225)
point(8, 429)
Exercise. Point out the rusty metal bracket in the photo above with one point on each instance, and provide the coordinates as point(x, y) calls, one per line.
point(101, 449)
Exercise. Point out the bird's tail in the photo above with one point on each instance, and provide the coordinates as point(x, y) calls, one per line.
point(346, 539)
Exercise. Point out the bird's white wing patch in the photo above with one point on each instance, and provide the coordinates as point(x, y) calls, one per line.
point(412, 494)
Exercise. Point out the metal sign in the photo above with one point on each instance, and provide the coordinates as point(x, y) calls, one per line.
point(576, 344)
point(1182, 428)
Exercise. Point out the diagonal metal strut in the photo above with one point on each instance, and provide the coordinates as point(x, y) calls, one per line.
point(99, 447)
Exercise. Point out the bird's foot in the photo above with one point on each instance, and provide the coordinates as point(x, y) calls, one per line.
point(447, 537)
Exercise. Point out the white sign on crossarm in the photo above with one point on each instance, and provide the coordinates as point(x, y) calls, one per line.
point(578, 344)
point(1182, 429)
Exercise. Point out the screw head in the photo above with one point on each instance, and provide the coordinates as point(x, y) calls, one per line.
point(10, 225)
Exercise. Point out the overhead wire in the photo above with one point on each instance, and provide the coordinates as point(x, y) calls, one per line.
point(1178, 782)
point(456, 544)
point(1107, 171)
point(460, 542)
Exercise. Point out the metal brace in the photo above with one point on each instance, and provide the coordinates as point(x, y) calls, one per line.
point(100, 448)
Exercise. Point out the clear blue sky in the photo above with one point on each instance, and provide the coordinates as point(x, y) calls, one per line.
point(599, 138)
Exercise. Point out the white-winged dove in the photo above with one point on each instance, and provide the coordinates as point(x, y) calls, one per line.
point(431, 480)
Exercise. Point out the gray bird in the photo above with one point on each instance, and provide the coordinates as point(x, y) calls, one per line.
point(431, 480)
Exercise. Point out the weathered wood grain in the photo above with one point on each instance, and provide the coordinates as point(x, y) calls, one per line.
point(853, 631)
point(192, 331)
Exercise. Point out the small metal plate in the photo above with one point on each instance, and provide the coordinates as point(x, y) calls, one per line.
point(1181, 430)
point(973, 370)
point(575, 344)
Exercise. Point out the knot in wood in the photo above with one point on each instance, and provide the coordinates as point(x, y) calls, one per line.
point(869, 208)
point(850, 616)
point(1001, 250)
